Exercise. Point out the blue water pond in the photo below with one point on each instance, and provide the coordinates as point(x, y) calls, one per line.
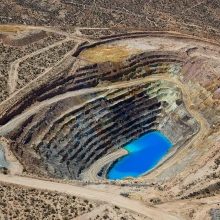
point(144, 154)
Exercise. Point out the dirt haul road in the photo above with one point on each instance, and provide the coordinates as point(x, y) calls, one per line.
point(20, 118)
point(112, 198)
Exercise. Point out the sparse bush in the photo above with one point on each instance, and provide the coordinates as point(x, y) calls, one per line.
point(3, 204)
point(124, 194)
point(116, 207)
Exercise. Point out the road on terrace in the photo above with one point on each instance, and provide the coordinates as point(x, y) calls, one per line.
point(96, 167)
point(154, 213)
point(20, 118)
point(204, 126)
point(111, 198)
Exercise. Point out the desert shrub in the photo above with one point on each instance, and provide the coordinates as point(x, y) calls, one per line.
point(3, 204)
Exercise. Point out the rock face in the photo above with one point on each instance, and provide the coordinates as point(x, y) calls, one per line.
point(108, 123)
point(80, 111)
point(70, 144)
point(215, 213)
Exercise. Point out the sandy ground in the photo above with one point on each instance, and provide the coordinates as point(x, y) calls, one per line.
point(111, 198)
point(197, 209)
point(179, 209)
point(137, 207)
point(113, 213)
point(13, 72)
point(187, 100)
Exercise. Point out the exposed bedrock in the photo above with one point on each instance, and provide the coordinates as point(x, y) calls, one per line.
point(81, 111)
point(104, 124)
point(64, 78)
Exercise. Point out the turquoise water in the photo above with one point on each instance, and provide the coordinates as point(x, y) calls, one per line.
point(145, 153)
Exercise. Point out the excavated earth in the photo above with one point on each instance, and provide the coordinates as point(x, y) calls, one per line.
point(111, 91)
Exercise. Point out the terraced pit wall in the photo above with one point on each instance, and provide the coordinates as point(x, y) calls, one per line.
point(61, 79)
point(67, 137)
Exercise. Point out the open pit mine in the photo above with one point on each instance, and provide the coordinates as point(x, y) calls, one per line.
point(71, 102)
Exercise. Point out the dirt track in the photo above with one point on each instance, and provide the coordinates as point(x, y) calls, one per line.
point(13, 72)
point(112, 198)
point(20, 118)
point(204, 126)
point(96, 167)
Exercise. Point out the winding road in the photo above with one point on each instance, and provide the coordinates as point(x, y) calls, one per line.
point(112, 198)
point(92, 173)
point(96, 167)
point(13, 72)
point(20, 118)
point(204, 127)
